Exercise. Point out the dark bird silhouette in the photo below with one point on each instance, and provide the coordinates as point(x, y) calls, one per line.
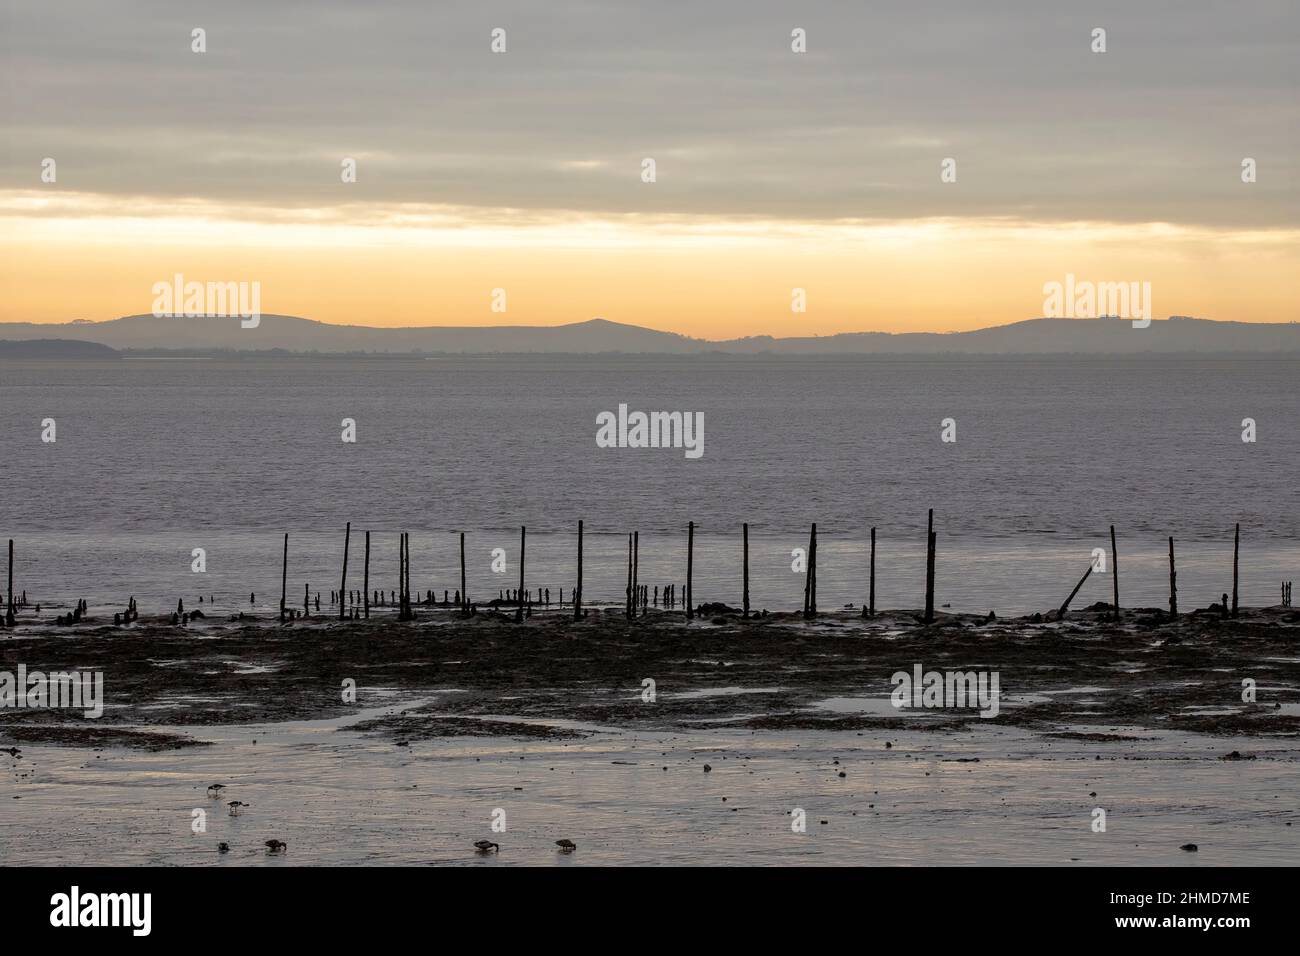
point(483, 846)
point(276, 846)
point(214, 791)
point(223, 847)
point(236, 807)
point(566, 846)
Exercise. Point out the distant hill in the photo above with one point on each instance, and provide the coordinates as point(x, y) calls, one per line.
point(55, 349)
point(1031, 337)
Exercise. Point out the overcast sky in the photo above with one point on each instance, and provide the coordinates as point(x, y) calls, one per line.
point(1042, 128)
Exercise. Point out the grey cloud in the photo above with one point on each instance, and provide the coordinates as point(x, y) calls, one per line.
point(1154, 129)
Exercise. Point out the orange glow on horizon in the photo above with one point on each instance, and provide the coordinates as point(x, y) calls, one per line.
point(70, 256)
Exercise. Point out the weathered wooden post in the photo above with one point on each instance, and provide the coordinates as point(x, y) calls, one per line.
point(1236, 546)
point(367, 576)
point(744, 533)
point(464, 593)
point(9, 601)
point(1066, 606)
point(577, 591)
point(403, 582)
point(1114, 570)
point(306, 600)
point(347, 540)
point(627, 594)
point(1173, 582)
point(929, 569)
point(637, 606)
point(812, 569)
point(871, 607)
point(807, 579)
point(519, 611)
point(690, 570)
point(284, 576)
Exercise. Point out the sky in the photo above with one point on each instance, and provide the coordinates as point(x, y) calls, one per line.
point(775, 170)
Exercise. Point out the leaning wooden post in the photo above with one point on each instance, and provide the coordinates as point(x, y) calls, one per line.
point(366, 577)
point(347, 539)
point(690, 569)
point(519, 611)
point(1114, 569)
point(577, 592)
point(744, 533)
point(929, 569)
point(871, 611)
point(1236, 546)
point(284, 576)
point(1066, 606)
point(812, 571)
point(1173, 582)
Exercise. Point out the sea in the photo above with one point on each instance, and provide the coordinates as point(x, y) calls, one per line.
point(171, 478)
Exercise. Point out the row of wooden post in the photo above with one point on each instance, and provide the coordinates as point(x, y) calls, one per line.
point(405, 611)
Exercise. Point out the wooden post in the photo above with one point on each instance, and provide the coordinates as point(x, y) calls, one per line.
point(871, 607)
point(1236, 546)
point(812, 568)
point(1066, 606)
point(744, 532)
point(627, 594)
point(519, 611)
point(9, 605)
point(929, 569)
point(1173, 582)
point(401, 575)
point(638, 606)
point(284, 576)
point(464, 594)
point(577, 592)
point(690, 570)
point(306, 600)
point(347, 540)
point(367, 576)
point(1114, 570)
point(807, 579)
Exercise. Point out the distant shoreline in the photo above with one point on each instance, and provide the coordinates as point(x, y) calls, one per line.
point(98, 353)
point(286, 334)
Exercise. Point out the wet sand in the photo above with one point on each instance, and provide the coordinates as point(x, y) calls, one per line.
point(451, 716)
